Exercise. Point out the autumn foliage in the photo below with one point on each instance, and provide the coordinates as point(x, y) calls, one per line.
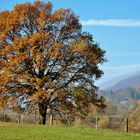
point(46, 61)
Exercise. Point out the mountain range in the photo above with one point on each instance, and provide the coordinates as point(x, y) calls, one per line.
point(122, 89)
point(131, 80)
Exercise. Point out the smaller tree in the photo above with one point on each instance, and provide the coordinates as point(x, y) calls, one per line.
point(103, 122)
point(3, 106)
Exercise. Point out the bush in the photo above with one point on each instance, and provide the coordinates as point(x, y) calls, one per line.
point(103, 122)
point(5, 118)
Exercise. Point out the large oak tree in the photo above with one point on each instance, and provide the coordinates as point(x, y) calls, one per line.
point(46, 61)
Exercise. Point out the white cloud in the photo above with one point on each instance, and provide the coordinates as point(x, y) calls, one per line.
point(127, 67)
point(115, 71)
point(112, 22)
point(121, 54)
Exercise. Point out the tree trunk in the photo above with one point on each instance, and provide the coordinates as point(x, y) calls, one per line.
point(35, 118)
point(4, 117)
point(19, 117)
point(42, 112)
point(43, 119)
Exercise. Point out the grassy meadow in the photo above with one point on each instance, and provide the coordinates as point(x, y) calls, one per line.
point(9, 131)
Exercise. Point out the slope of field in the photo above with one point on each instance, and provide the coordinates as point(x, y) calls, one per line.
point(35, 132)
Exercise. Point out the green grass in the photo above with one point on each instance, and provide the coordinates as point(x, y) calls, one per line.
point(10, 131)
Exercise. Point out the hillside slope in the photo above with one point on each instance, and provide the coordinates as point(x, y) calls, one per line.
point(132, 81)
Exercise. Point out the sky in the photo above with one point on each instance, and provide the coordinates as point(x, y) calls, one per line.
point(114, 24)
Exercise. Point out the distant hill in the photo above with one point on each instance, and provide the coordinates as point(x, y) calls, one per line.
point(132, 81)
point(122, 89)
point(122, 95)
